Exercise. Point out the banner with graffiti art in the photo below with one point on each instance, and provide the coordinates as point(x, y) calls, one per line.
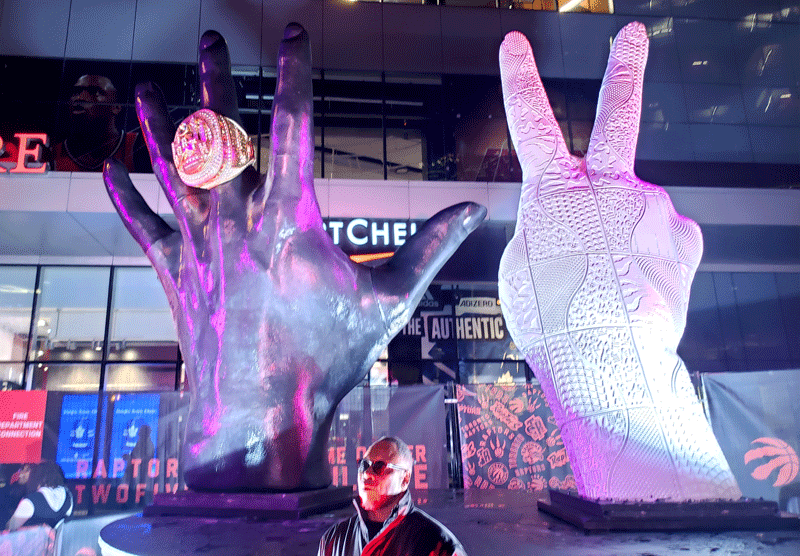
point(509, 439)
point(756, 418)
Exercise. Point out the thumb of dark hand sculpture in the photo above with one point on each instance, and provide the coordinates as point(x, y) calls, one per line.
point(275, 323)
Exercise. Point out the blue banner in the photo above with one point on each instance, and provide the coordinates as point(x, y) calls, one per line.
point(134, 434)
point(76, 432)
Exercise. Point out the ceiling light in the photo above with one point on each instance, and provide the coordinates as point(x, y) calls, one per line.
point(569, 5)
point(370, 257)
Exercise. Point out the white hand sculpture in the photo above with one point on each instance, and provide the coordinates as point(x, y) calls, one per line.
point(595, 285)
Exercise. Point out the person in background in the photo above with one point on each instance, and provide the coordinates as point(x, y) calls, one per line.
point(386, 521)
point(93, 134)
point(12, 492)
point(48, 501)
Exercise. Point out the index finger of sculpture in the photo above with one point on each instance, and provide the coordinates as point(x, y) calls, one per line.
point(159, 131)
point(612, 147)
point(146, 227)
point(291, 171)
point(217, 89)
point(534, 130)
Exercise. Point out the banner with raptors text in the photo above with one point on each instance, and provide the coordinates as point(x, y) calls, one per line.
point(509, 439)
point(118, 450)
point(756, 419)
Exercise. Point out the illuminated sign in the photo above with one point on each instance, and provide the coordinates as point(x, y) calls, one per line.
point(361, 235)
point(76, 432)
point(25, 155)
point(21, 426)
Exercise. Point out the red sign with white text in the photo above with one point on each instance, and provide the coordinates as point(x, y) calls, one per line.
point(21, 426)
point(24, 154)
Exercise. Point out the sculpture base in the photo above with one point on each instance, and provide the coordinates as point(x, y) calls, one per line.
point(253, 505)
point(602, 515)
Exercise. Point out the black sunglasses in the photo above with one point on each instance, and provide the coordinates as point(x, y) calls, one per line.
point(378, 467)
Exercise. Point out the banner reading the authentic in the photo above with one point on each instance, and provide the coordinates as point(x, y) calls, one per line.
point(756, 419)
point(509, 439)
point(455, 333)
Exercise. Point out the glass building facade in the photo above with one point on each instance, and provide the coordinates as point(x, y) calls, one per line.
point(407, 101)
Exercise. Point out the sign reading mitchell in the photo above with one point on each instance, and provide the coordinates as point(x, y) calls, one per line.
point(362, 235)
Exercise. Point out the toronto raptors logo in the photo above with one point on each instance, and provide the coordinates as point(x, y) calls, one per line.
point(778, 455)
point(498, 473)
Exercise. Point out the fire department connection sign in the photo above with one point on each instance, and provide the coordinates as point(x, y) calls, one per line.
point(21, 426)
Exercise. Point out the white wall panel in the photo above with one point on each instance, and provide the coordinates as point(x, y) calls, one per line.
point(101, 29)
point(48, 192)
point(426, 199)
point(239, 21)
point(166, 31)
point(278, 14)
point(30, 28)
point(352, 36)
point(471, 40)
point(412, 39)
point(368, 199)
point(503, 201)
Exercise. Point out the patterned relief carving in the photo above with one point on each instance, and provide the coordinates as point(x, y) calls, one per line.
point(595, 287)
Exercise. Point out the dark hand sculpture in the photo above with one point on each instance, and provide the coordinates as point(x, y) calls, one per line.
point(275, 323)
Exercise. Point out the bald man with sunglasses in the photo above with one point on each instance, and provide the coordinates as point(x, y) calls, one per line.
point(387, 523)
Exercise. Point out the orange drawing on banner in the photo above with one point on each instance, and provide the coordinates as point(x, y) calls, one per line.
point(497, 473)
point(517, 405)
point(498, 445)
point(535, 427)
point(782, 457)
point(484, 457)
point(557, 459)
point(537, 482)
point(503, 415)
point(468, 450)
point(532, 452)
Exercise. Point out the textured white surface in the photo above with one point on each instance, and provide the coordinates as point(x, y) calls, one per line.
point(595, 287)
